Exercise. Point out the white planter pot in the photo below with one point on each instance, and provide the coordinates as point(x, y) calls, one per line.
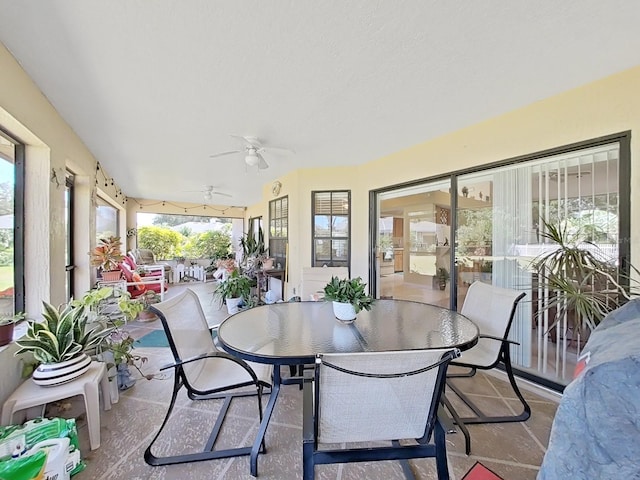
point(51, 374)
point(345, 312)
point(232, 305)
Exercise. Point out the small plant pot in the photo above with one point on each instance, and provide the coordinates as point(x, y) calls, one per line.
point(146, 316)
point(232, 305)
point(345, 312)
point(6, 334)
point(111, 275)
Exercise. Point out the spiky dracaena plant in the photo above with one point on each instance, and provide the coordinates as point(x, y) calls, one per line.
point(61, 336)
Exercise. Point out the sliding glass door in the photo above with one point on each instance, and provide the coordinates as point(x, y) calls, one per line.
point(493, 228)
point(413, 250)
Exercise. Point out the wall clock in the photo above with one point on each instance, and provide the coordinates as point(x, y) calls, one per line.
point(275, 188)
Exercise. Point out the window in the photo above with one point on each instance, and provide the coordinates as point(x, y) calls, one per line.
point(279, 230)
point(331, 228)
point(68, 218)
point(11, 226)
point(107, 223)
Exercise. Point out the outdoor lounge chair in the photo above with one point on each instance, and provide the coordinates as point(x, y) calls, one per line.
point(492, 309)
point(205, 372)
point(375, 397)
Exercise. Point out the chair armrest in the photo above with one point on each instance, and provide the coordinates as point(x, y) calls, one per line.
point(222, 355)
point(491, 337)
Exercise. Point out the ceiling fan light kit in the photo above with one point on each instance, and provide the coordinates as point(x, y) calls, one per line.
point(253, 151)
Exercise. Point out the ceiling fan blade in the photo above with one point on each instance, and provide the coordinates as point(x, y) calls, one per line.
point(251, 140)
point(224, 153)
point(262, 164)
point(221, 194)
point(279, 149)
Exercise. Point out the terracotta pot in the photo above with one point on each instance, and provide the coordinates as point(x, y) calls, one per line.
point(146, 316)
point(111, 275)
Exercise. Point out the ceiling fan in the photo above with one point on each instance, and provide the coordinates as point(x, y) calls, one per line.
point(208, 192)
point(253, 150)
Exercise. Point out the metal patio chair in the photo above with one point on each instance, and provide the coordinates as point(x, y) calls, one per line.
point(375, 397)
point(492, 309)
point(205, 372)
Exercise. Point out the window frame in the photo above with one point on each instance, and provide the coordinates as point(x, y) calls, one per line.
point(273, 239)
point(314, 261)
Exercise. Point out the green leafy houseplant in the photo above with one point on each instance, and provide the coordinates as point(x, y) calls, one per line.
point(235, 286)
point(348, 291)
point(62, 335)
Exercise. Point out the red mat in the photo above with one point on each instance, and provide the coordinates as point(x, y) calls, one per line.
point(480, 472)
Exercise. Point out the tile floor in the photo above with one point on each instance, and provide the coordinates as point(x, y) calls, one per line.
point(514, 450)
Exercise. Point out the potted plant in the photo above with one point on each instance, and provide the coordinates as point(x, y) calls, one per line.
point(348, 296)
point(61, 344)
point(6, 327)
point(577, 280)
point(234, 290)
point(147, 298)
point(443, 277)
point(107, 256)
point(112, 309)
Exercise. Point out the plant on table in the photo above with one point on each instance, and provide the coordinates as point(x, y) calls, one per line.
point(348, 291)
point(61, 340)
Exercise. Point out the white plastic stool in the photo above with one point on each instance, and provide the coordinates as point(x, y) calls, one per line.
point(30, 395)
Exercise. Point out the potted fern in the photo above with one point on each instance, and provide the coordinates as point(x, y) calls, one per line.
point(348, 296)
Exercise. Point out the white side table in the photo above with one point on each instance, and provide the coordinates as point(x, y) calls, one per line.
point(30, 395)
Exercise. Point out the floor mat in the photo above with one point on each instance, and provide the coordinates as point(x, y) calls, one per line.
point(154, 339)
point(480, 472)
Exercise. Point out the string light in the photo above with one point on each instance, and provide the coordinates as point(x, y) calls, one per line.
point(164, 203)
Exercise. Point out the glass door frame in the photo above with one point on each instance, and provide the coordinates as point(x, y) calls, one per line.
point(624, 226)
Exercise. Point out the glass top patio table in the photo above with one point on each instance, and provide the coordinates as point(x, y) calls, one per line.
point(293, 333)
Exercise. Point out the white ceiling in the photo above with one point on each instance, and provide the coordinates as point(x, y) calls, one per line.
point(154, 87)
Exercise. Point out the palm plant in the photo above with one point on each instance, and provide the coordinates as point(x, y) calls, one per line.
point(579, 278)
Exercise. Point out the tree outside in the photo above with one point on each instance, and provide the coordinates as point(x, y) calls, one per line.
point(176, 236)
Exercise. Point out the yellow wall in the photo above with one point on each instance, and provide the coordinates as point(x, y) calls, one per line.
point(605, 107)
point(51, 146)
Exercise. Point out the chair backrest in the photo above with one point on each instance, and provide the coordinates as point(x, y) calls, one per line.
point(315, 278)
point(492, 309)
point(186, 327)
point(354, 408)
point(143, 256)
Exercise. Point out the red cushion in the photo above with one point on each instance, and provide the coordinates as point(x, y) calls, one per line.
point(126, 271)
point(130, 262)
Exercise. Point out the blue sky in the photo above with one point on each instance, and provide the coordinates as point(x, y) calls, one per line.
point(6, 171)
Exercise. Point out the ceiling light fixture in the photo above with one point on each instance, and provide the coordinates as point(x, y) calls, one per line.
point(207, 196)
point(252, 158)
